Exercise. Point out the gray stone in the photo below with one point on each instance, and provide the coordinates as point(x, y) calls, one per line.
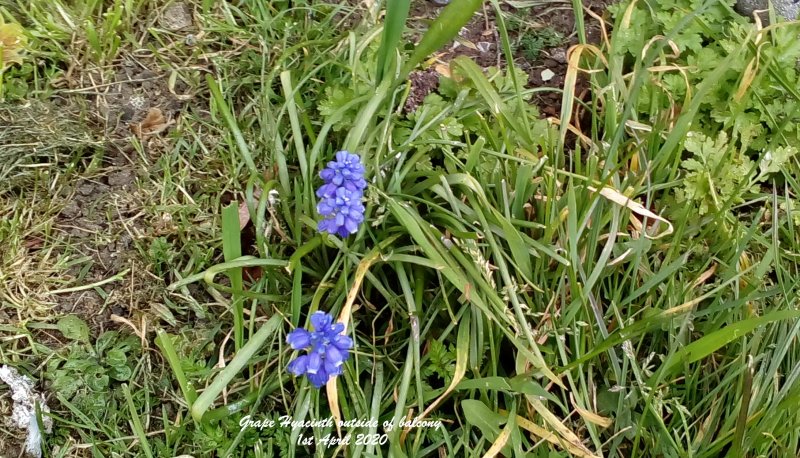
point(71, 210)
point(177, 16)
point(787, 9)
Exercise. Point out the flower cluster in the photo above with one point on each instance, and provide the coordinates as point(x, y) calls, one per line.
point(341, 194)
point(327, 347)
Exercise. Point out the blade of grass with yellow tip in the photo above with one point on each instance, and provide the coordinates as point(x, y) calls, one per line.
point(542, 433)
point(570, 81)
point(504, 436)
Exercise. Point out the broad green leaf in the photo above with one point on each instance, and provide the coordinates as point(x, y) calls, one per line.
point(73, 328)
point(116, 357)
point(480, 416)
point(521, 384)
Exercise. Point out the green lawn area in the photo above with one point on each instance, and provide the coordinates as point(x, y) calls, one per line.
point(562, 229)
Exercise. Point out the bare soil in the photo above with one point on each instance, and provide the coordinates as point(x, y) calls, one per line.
point(100, 217)
point(480, 41)
point(99, 222)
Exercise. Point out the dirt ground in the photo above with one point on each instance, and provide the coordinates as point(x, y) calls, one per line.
point(480, 40)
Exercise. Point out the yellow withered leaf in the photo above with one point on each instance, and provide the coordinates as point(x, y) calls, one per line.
point(12, 41)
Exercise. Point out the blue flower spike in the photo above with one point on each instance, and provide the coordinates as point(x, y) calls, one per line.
point(327, 349)
point(341, 195)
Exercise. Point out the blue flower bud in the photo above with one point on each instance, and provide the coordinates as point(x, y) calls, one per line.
point(341, 195)
point(326, 348)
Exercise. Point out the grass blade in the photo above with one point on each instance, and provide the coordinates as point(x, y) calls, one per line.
point(238, 362)
point(394, 23)
point(163, 341)
point(712, 342)
point(232, 249)
point(224, 109)
point(209, 274)
point(443, 29)
point(136, 422)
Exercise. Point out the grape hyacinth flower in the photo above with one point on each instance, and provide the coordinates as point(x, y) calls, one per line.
point(341, 194)
point(327, 347)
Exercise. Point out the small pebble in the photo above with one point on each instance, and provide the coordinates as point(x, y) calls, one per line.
point(176, 17)
point(71, 210)
point(559, 55)
point(86, 189)
point(484, 46)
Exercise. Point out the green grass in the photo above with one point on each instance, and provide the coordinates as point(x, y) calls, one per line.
point(493, 288)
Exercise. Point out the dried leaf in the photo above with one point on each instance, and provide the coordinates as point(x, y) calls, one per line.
point(244, 213)
point(466, 43)
point(705, 276)
point(620, 199)
point(33, 243)
point(443, 70)
point(153, 120)
point(154, 123)
point(590, 416)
